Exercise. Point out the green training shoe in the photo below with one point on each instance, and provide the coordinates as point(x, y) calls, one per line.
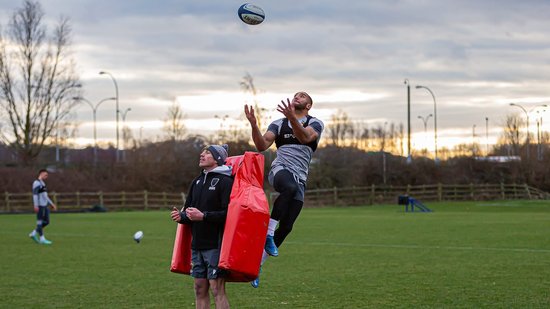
point(35, 238)
point(45, 242)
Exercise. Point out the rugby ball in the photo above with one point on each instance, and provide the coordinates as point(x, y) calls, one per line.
point(251, 14)
point(138, 236)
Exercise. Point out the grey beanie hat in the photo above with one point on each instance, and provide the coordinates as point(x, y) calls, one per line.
point(219, 152)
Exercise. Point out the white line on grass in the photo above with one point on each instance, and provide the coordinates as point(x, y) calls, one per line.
point(339, 244)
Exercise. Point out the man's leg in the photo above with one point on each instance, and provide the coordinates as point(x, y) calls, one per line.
point(40, 218)
point(202, 299)
point(217, 286)
point(45, 222)
point(34, 235)
point(284, 183)
point(199, 272)
point(285, 226)
point(287, 222)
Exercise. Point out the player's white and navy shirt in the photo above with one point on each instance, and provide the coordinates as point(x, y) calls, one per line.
point(291, 154)
point(40, 194)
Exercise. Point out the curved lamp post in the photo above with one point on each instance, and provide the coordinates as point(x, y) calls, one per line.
point(94, 110)
point(425, 122)
point(409, 158)
point(123, 114)
point(528, 141)
point(117, 111)
point(435, 119)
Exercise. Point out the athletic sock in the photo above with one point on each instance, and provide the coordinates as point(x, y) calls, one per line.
point(42, 237)
point(33, 232)
point(272, 226)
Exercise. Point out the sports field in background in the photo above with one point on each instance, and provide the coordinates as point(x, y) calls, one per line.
point(463, 255)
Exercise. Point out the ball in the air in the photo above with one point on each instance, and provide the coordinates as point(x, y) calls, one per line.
point(251, 14)
point(138, 236)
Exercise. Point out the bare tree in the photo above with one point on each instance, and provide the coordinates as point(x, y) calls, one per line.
point(512, 136)
point(173, 123)
point(37, 79)
point(340, 128)
point(247, 84)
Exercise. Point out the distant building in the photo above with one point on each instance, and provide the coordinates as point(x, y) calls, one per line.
point(500, 159)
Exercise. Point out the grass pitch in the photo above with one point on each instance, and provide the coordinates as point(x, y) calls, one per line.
point(463, 255)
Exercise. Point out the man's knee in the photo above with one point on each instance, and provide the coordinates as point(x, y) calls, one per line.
point(201, 287)
point(217, 286)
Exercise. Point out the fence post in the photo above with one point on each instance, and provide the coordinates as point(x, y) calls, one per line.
point(7, 198)
point(528, 191)
point(439, 192)
point(335, 194)
point(100, 193)
point(317, 199)
point(164, 199)
point(145, 201)
point(502, 193)
point(472, 194)
point(78, 199)
point(55, 198)
point(123, 199)
point(372, 191)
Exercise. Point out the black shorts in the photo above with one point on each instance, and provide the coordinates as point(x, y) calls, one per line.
point(205, 264)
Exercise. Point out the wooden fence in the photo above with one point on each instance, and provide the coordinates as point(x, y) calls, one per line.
point(85, 201)
point(438, 192)
point(114, 201)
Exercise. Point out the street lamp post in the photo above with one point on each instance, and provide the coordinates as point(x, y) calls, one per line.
point(539, 136)
point(409, 158)
point(425, 122)
point(528, 141)
point(117, 111)
point(384, 153)
point(123, 115)
point(487, 135)
point(94, 111)
point(474, 140)
point(435, 119)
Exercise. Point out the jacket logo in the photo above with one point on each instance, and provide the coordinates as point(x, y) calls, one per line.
point(213, 183)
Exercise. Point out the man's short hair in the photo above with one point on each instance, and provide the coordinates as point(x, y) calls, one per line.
point(42, 171)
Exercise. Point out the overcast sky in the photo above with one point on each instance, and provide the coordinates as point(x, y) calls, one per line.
point(476, 57)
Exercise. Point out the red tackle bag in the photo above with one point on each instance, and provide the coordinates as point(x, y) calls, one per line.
point(245, 226)
point(181, 256)
point(247, 219)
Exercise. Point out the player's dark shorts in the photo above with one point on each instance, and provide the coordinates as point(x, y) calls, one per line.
point(301, 185)
point(43, 215)
point(205, 264)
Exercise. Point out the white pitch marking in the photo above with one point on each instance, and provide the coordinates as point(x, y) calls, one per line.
point(419, 247)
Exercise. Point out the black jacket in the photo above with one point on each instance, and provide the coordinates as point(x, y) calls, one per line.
point(209, 193)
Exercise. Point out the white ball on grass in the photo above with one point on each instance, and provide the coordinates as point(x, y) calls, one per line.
point(138, 236)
